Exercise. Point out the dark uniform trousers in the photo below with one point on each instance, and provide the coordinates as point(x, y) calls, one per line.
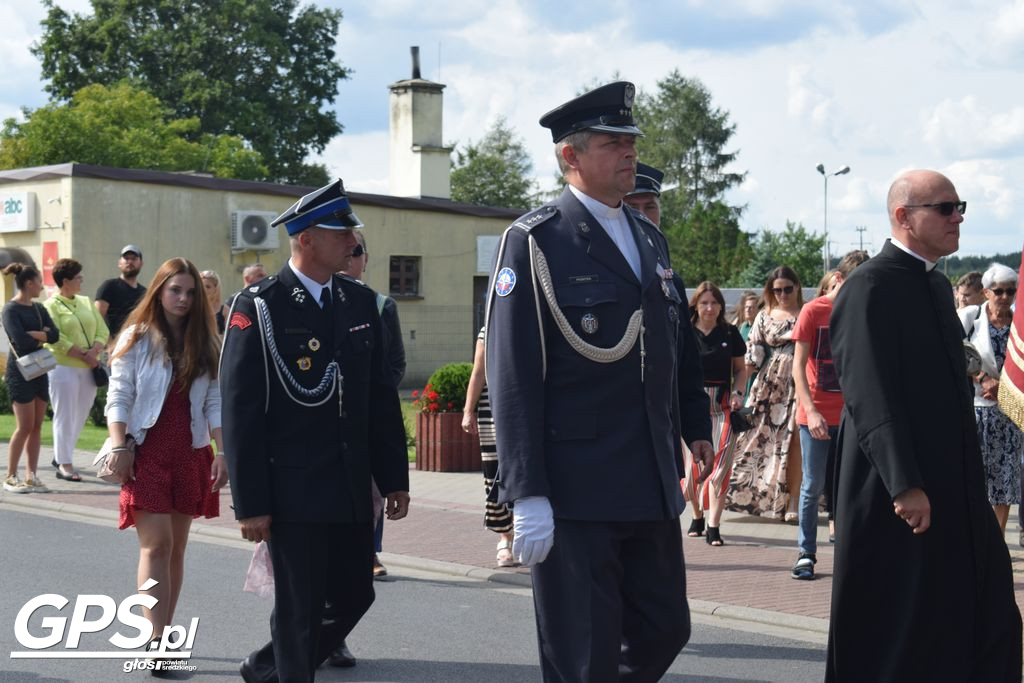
point(332, 561)
point(309, 465)
point(610, 597)
point(626, 580)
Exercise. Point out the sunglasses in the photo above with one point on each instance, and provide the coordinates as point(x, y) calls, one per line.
point(1009, 291)
point(788, 289)
point(944, 208)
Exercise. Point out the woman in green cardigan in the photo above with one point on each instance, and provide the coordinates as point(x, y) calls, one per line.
point(83, 334)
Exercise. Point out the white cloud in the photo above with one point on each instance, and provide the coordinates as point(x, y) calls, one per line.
point(1005, 32)
point(984, 184)
point(809, 102)
point(750, 185)
point(14, 45)
point(361, 160)
point(964, 127)
point(857, 195)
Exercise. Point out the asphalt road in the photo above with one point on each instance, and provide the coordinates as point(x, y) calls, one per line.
point(423, 627)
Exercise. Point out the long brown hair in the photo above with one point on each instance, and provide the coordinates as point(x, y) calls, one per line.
point(782, 273)
point(200, 348)
point(737, 314)
point(707, 286)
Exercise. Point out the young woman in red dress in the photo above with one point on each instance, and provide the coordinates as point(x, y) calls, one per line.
point(163, 395)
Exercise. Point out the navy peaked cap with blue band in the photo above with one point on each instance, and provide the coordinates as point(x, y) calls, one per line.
point(327, 207)
point(648, 180)
point(608, 109)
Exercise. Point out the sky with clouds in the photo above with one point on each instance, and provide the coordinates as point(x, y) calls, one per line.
point(881, 86)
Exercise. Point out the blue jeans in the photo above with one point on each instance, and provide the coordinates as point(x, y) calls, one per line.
point(815, 454)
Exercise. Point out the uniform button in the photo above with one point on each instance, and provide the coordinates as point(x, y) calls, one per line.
point(344, 445)
point(271, 461)
point(587, 300)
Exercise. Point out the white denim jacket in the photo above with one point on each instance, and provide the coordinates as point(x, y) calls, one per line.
point(139, 382)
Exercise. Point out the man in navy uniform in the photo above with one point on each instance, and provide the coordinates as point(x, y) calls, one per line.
point(645, 197)
point(310, 413)
point(594, 379)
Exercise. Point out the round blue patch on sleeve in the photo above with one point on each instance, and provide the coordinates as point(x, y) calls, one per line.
point(505, 282)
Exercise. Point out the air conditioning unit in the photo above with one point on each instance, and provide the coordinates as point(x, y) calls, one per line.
point(251, 230)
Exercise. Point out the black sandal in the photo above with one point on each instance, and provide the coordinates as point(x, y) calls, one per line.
point(714, 537)
point(696, 528)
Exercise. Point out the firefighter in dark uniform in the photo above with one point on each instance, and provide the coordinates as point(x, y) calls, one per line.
point(310, 413)
point(645, 196)
point(586, 332)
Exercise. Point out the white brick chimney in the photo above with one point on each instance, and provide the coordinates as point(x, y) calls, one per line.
point(420, 163)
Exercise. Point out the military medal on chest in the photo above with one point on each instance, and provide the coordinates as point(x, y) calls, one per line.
point(666, 276)
point(589, 323)
point(313, 344)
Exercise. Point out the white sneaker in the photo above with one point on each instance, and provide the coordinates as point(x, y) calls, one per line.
point(15, 485)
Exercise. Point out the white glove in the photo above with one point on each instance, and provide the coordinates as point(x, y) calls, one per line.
point(534, 529)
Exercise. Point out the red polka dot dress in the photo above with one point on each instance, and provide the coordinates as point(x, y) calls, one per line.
point(170, 475)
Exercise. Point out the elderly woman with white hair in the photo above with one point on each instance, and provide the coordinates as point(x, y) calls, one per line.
point(987, 327)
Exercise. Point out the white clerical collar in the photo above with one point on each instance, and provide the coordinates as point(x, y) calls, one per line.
point(311, 285)
point(928, 265)
point(596, 208)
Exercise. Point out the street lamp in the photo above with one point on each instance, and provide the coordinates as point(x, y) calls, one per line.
point(826, 176)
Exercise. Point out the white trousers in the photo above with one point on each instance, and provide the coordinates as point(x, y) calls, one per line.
point(72, 392)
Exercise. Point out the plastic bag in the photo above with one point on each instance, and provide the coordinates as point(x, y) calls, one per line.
point(260, 577)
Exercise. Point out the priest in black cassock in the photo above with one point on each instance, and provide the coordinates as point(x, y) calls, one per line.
point(923, 588)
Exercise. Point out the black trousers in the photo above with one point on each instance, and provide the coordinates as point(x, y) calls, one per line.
point(314, 563)
point(611, 602)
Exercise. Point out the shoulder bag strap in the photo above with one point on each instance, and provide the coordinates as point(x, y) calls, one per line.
point(85, 334)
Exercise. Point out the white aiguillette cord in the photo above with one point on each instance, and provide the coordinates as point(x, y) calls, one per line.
point(634, 328)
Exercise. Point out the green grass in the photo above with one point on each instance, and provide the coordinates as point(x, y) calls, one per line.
point(91, 439)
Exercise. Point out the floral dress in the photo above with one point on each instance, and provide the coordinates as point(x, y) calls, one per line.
point(758, 483)
point(1000, 440)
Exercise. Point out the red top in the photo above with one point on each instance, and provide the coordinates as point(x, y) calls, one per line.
point(812, 327)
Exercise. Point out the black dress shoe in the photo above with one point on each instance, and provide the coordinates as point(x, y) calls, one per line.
point(342, 657)
point(248, 672)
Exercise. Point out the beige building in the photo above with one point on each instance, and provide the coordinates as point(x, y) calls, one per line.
point(431, 255)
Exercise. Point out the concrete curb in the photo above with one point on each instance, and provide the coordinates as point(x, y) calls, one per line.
point(759, 616)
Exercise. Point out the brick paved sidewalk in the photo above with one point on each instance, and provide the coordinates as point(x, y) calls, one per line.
point(445, 524)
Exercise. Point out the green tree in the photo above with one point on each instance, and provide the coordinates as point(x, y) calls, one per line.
point(707, 244)
point(494, 171)
point(260, 69)
point(126, 127)
point(686, 136)
point(793, 247)
point(957, 266)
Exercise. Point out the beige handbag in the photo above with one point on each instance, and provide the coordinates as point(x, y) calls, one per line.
point(37, 363)
point(102, 460)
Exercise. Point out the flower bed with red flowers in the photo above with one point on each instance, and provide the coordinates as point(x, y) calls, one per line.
point(445, 391)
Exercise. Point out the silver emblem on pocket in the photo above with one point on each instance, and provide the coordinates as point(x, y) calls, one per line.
point(589, 323)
